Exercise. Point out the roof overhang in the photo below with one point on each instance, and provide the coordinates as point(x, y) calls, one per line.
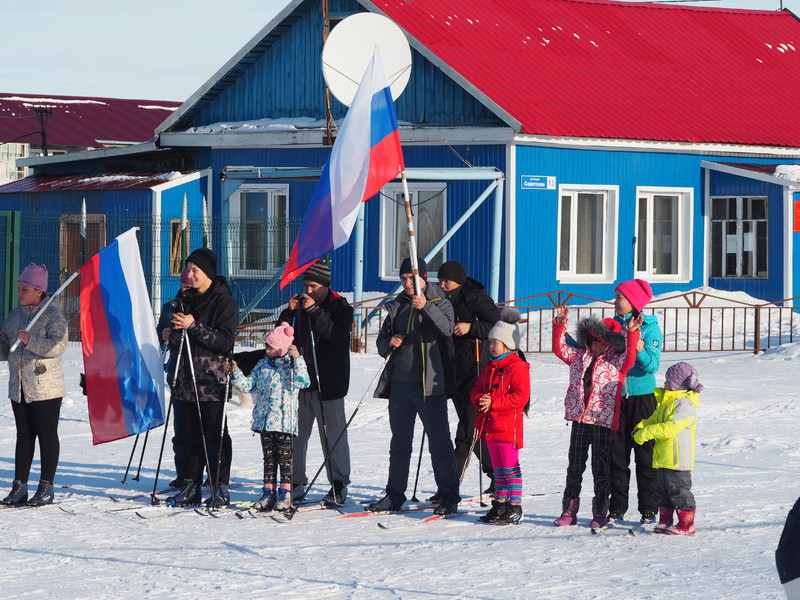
point(88, 155)
point(750, 174)
point(313, 137)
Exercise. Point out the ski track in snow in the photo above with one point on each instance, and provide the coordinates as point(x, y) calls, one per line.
point(745, 481)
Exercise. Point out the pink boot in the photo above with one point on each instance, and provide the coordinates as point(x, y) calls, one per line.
point(569, 510)
point(664, 519)
point(599, 513)
point(685, 524)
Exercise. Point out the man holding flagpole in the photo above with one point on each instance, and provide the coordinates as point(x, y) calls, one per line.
point(421, 377)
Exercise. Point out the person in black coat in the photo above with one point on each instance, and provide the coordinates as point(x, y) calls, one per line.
point(475, 315)
point(207, 317)
point(323, 322)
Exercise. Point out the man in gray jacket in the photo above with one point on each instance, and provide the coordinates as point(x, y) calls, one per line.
point(418, 379)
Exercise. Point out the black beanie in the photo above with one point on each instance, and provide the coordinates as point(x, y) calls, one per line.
point(206, 261)
point(453, 270)
point(319, 273)
point(405, 267)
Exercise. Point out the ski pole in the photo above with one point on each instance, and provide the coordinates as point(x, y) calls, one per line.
point(141, 456)
point(153, 499)
point(419, 464)
point(215, 479)
point(197, 401)
point(296, 505)
point(326, 444)
point(130, 459)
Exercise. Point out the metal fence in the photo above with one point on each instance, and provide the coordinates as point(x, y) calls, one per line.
point(252, 253)
point(691, 322)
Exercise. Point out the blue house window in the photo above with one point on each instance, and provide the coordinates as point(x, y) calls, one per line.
point(739, 237)
point(587, 233)
point(663, 234)
point(259, 236)
point(429, 206)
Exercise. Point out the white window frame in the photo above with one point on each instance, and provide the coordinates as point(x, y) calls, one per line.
point(235, 213)
point(684, 246)
point(608, 273)
point(392, 226)
point(740, 242)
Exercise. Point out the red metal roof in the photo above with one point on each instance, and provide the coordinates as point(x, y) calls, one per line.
point(79, 121)
point(603, 69)
point(77, 183)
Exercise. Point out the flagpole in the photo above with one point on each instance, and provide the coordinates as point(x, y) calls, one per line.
point(41, 310)
point(412, 240)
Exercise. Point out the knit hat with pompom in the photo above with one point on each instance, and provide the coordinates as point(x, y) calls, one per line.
point(506, 330)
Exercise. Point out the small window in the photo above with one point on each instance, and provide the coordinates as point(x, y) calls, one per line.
point(739, 237)
point(587, 233)
point(259, 229)
point(428, 206)
point(663, 234)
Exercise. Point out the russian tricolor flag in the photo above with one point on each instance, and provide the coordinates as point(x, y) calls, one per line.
point(365, 156)
point(121, 354)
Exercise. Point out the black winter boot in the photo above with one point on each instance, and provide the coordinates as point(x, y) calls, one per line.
point(221, 498)
point(190, 493)
point(18, 495)
point(336, 495)
point(512, 516)
point(44, 494)
point(496, 514)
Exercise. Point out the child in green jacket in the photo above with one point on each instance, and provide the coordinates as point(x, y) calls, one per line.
point(672, 426)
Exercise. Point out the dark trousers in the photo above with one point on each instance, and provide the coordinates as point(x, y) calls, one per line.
point(582, 436)
point(207, 424)
point(277, 449)
point(180, 441)
point(675, 489)
point(38, 419)
point(465, 433)
point(406, 401)
point(309, 410)
point(632, 410)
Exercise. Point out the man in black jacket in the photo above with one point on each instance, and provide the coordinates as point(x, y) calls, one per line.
point(322, 320)
point(475, 314)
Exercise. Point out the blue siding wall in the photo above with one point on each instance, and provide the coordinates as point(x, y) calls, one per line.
point(287, 81)
point(471, 244)
point(537, 215)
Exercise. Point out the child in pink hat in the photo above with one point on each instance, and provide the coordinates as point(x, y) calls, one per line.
point(276, 379)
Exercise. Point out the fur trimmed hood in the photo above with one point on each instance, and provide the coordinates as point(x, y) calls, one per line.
point(607, 331)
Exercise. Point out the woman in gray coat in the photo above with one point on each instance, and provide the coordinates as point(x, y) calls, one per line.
point(35, 383)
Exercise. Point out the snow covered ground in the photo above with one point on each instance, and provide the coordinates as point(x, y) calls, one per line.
point(748, 461)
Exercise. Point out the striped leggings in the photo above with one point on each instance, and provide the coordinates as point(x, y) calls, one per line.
point(507, 473)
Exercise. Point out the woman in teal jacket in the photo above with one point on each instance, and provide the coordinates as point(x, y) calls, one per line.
point(672, 426)
point(637, 403)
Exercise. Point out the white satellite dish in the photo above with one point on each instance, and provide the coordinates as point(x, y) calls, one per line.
point(349, 49)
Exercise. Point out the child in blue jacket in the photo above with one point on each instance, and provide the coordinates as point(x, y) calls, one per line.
point(276, 379)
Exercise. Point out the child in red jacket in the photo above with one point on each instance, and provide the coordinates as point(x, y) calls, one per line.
point(597, 368)
point(502, 394)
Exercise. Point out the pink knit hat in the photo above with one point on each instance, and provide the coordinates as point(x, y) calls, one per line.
point(280, 338)
point(637, 291)
point(35, 276)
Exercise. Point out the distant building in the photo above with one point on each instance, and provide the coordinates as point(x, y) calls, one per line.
point(33, 123)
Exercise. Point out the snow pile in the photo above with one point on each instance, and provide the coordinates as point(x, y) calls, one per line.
point(791, 172)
